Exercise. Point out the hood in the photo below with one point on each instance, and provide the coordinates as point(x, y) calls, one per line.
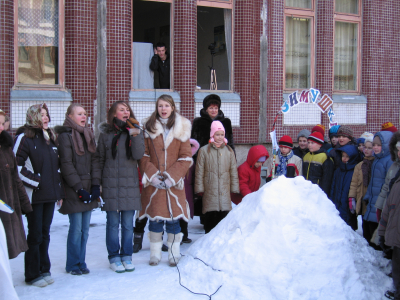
point(255, 153)
point(352, 152)
point(392, 146)
point(6, 139)
point(204, 114)
point(385, 137)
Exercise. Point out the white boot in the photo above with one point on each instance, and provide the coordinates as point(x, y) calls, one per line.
point(155, 247)
point(174, 248)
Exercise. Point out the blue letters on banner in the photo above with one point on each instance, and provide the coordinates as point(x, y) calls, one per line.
point(314, 95)
point(293, 99)
point(331, 114)
point(285, 107)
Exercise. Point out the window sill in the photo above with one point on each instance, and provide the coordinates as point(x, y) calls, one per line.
point(40, 95)
point(342, 98)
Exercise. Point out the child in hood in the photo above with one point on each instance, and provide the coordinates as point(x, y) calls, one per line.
point(216, 177)
point(249, 172)
point(286, 163)
point(341, 184)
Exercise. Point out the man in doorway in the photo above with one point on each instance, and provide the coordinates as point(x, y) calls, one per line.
point(160, 62)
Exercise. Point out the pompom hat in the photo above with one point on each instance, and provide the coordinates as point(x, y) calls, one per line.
point(319, 128)
point(286, 141)
point(316, 137)
point(388, 126)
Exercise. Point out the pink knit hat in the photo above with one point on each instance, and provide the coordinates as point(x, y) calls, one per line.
point(217, 126)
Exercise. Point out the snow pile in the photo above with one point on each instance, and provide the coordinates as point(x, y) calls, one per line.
point(285, 241)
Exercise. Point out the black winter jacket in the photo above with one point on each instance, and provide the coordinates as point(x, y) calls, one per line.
point(45, 176)
point(202, 126)
point(299, 152)
point(163, 69)
point(78, 172)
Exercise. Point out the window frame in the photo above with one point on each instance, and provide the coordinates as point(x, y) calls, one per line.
point(61, 53)
point(300, 13)
point(222, 4)
point(355, 19)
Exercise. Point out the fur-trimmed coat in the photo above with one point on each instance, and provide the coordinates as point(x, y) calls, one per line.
point(13, 193)
point(175, 158)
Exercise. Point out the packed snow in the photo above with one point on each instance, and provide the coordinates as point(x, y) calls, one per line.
point(285, 241)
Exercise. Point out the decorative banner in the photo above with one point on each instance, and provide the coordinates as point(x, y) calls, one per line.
point(311, 96)
point(273, 139)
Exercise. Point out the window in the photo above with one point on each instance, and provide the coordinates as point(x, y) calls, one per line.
point(347, 46)
point(299, 44)
point(39, 57)
point(214, 45)
point(151, 25)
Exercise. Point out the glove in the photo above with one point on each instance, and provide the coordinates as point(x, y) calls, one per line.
point(382, 244)
point(168, 183)
point(84, 196)
point(132, 121)
point(352, 205)
point(95, 192)
point(157, 183)
point(378, 214)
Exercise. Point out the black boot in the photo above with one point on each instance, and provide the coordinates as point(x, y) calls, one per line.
point(137, 242)
point(184, 230)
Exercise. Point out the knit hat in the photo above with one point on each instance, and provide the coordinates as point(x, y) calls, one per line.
point(303, 133)
point(286, 141)
point(365, 137)
point(210, 100)
point(345, 131)
point(320, 128)
point(316, 137)
point(388, 126)
point(217, 126)
point(262, 159)
point(333, 131)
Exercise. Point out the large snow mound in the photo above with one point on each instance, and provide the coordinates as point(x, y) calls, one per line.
point(285, 241)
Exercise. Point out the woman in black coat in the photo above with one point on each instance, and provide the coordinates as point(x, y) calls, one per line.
point(38, 165)
point(81, 175)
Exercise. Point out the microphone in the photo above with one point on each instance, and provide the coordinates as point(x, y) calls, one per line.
point(137, 126)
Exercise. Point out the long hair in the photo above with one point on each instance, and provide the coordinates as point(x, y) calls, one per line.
point(113, 109)
point(151, 122)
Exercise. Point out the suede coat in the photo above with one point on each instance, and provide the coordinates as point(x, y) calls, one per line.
point(174, 159)
point(216, 177)
point(78, 172)
point(119, 177)
point(13, 193)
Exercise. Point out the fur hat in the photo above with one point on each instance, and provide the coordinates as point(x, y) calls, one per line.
point(316, 137)
point(194, 146)
point(286, 141)
point(212, 99)
point(320, 128)
point(345, 131)
point(303, 133)
point(388, 126)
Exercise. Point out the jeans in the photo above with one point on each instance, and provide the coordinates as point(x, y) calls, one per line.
point(115, 252)
point(37, 260)
point(171, 226)
point(78, 234)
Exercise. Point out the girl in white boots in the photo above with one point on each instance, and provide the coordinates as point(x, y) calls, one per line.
point(164, 165)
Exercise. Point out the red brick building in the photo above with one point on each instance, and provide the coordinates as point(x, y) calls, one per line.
point(97, 52)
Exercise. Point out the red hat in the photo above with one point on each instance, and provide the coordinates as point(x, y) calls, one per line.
point(388, 126)
point(319, 128)
point(286, 141)
point(316, 137)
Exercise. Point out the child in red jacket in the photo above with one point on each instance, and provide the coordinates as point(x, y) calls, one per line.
point(249, 172)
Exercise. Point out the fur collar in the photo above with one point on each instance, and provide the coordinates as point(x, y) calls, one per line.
point(105, 128)
point(180, 131)
point(62, 129)
point(6, 139)
point(392, 145)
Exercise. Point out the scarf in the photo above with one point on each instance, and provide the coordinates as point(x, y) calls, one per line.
point(120, 127)
point(283, 160)
point(77, 138)
point(34, 120)
point(366, 169)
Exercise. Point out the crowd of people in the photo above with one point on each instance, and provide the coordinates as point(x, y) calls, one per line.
point(170, 170)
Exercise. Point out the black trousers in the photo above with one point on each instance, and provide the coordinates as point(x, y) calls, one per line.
point(396, 271)
point(368, 231)
point(37, 260)
point(212, 218)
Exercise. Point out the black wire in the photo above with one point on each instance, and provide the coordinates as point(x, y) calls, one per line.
point(172, 217)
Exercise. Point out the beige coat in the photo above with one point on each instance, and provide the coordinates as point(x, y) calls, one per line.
point(358, 190)
point(216, 177)
point(175, 158)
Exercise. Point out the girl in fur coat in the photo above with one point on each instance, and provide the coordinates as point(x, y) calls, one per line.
point(166, 161)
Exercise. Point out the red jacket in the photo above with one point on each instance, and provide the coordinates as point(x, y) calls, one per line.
point(249, 176)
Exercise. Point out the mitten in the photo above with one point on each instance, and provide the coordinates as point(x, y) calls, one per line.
point(132, 121)
point(157, 183)
point(84, 196)
point(95, 192)
point(168, 183)
point(352, 205)
point(378, 214)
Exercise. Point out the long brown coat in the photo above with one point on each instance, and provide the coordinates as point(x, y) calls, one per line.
point(175, 158)
point(13, 193)
point(358, 190)
point(216, 177)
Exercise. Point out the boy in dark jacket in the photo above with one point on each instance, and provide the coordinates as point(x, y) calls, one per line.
point(317, 166)
point(341, 184)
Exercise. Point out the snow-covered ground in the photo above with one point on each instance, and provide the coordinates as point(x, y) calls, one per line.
point(285, 241)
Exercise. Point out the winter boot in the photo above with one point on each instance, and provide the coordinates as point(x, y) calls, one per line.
point(155, 247)
point(137, 242)
point(174, 246)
